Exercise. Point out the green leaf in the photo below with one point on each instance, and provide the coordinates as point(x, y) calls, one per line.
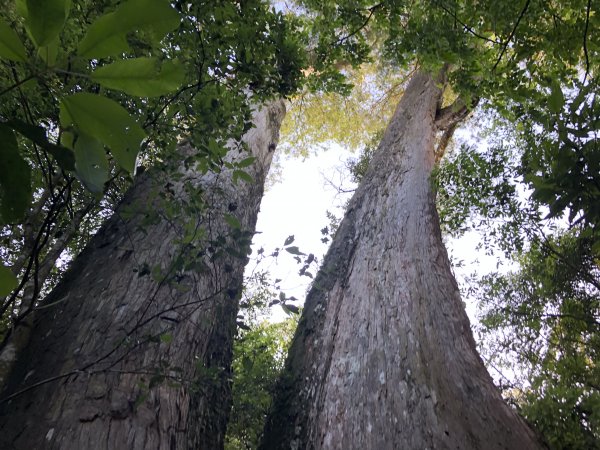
point(101, 40)
point(91, 164)
point(240, 174)
point(246, 162)
point(107, 35)
point(11, 47)
point(45, 19)
point(107, 121)
point(48, 53)
point(15, 178)
point(556, 100)
point(7, 281)
point(166, 338)
point(232, 221)
point(143, 77)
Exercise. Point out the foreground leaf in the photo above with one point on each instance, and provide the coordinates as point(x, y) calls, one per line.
point(107, 121)
point(63, 155)
point(143, 77)
point(106, 36)
point(45, 19)
point(556, 100)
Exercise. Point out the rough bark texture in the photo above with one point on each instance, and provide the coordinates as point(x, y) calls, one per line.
point(132, 350)
point(19, 336)
point(384, 357)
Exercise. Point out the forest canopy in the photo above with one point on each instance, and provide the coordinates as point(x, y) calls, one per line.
point(93, 93)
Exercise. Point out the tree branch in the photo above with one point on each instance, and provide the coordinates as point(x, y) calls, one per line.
point(585, 33)
point(371, 10)
point(467, 27)
point(512, 34)
point(456, 112)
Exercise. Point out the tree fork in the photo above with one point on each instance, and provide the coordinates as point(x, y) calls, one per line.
point(384, 357)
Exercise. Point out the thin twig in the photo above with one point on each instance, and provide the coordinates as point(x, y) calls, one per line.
point(16, 85)
point(585, 32)
point(467, 27)
point(512, 34)
point(371, 10)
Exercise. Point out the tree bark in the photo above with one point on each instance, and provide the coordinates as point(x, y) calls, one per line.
point(132, 349)
point(384, 357)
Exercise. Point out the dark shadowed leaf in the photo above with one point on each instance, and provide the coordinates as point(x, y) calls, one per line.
point(556, 100)
point(15, 178)
point(63, 155)
point(294, 250)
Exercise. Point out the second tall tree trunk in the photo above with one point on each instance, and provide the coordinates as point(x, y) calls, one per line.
point(132, 350)
point(384, 357)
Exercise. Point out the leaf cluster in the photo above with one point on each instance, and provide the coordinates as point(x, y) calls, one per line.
point(258, 358)
point(545, 317)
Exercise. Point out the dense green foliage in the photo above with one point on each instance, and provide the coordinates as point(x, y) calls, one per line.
point(543, 322)
point(259, 354)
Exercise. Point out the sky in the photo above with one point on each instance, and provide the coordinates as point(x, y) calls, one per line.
point(296, 205)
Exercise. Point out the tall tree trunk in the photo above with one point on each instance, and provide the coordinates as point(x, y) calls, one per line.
point(384, 357)
point(132, 350)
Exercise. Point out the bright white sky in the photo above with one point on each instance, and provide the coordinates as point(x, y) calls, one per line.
point(297, 206)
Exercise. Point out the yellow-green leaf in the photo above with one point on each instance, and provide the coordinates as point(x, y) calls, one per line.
point(11, 47)
point(7, 281)
point(107, 121)
point(143, 77)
